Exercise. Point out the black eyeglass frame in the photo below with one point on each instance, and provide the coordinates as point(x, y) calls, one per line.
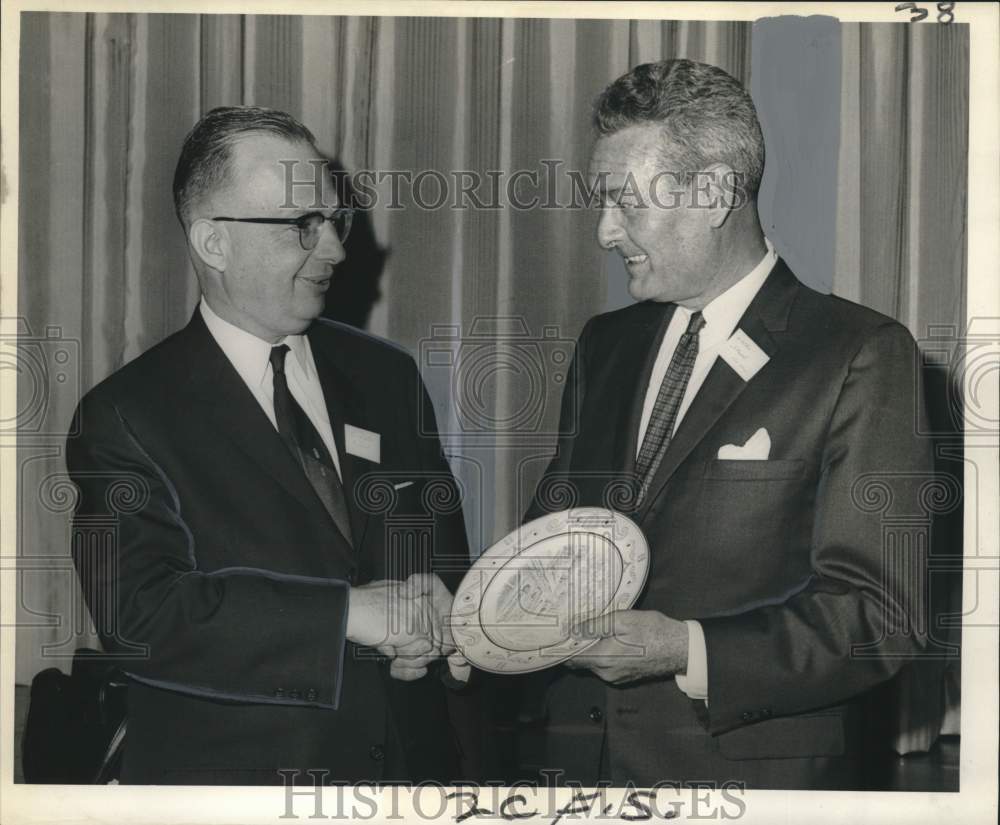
point(305, 223)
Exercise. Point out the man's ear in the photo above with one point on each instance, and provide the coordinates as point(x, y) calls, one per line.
point(210, 242)
point(718, 193)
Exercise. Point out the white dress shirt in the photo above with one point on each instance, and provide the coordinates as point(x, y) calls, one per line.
point(251, 357)
point(721, 315)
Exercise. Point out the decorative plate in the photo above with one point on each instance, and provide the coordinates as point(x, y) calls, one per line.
point(516, 607)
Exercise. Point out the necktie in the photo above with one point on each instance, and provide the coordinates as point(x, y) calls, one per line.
point(668, 401)
point(307, 446)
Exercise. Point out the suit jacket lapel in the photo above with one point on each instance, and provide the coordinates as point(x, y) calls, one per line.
point(214, 383)
point(767, 314)
point(343, 405)
point(621, 376)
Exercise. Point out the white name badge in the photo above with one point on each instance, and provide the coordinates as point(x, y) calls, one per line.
point(743, 355)
point(363, 443)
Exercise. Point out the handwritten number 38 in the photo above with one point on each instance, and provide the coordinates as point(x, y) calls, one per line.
point(946, 12)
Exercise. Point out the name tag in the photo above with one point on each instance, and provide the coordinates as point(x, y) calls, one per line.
point(743, 355)
point(363, 443)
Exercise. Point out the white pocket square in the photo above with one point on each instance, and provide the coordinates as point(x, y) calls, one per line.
point(757, 448)
point(402, 485)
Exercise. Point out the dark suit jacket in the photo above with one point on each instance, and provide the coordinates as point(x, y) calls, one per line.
point(207, 558)
point(803, 605)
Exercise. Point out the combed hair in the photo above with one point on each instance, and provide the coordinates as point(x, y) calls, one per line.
point(203, 166)
point(707, 116)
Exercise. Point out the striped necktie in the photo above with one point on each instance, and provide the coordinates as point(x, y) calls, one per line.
point(668, 401)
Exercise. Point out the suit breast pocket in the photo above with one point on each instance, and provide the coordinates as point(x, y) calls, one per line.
point(736, 470)
point(751, 521)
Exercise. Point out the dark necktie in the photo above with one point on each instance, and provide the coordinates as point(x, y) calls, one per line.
point(307, 446)
point(668, 401)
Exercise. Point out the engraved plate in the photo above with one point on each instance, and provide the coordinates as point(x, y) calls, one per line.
point(515, 610)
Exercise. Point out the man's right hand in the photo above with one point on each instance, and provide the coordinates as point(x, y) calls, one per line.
point(402, 620)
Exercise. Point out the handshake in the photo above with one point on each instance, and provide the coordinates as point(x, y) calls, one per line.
point(407, 621)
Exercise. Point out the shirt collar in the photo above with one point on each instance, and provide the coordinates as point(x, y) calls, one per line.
point(250, 355)
point(723, 312)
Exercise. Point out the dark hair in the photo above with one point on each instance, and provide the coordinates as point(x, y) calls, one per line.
point(203, 166)
point(707, 116)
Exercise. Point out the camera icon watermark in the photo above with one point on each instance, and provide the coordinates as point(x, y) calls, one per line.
point(969, 364)
point(47, 367)
point(505, 381)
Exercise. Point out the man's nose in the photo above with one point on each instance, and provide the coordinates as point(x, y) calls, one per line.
point(329, 248)
point(609, 228)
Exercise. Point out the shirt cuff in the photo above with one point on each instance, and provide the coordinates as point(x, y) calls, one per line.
point(695, 681)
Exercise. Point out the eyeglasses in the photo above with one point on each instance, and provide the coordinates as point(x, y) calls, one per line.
point(309, 225)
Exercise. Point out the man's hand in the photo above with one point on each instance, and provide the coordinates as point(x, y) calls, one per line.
point(411, 661)
point(405, 621)
point(638, 644)
point(458, 665)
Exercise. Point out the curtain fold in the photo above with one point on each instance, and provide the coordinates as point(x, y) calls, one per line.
point(903, 168)
point(106, 100)
point(901, 240)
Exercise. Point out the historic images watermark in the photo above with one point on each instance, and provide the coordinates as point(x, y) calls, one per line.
point(471, 360)
point(47, 364)
point(553, 184)
point(477, 360)
point(310, 794)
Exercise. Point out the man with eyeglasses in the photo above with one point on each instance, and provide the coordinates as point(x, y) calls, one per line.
point(286, 506)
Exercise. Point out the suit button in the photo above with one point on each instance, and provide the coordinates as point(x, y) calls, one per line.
point(293, 694)
point(746, 716)
point(311, 695)
point(376, 753)
point(279, 693)
point(765, 714)
point(596, 715)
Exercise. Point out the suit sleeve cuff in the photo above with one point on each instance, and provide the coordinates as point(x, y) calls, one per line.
point(694, 682)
